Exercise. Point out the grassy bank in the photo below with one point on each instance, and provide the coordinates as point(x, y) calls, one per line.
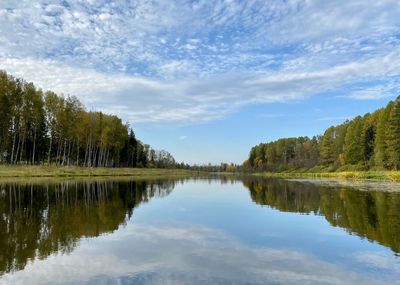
point(59, 171)
point(372, 175)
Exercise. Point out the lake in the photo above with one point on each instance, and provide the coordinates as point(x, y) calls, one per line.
point(220, 230)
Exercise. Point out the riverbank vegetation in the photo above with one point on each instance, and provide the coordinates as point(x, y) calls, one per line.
point(73, 171)
point(370, 175)
point(365, 143)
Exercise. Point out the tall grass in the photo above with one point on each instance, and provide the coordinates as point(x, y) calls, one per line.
point(63, 171)
point(372, 175)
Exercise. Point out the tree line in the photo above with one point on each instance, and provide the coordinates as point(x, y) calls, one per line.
point(366, 142)
point(39, 127)
point(222, 167)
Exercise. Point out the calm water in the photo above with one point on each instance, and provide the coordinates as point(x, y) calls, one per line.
point(197, 231)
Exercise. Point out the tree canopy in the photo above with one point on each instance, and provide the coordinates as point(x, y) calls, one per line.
point(39, 127)
point(368, 142)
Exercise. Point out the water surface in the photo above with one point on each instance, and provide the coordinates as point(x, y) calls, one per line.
point(197, 231)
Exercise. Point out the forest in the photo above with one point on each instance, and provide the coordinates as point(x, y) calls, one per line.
point(369, 142)
point(39, 127)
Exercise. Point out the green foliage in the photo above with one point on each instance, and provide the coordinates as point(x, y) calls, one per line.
point(393, 136)
point(368, 142)
point(353, 147)
point(37, 128)
point(368, 137)
point(327, 147)
point(381, 153)
point(284, 154)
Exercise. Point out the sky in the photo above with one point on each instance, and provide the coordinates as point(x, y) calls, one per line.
point(208, 79)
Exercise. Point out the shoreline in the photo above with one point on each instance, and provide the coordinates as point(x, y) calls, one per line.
point(390, 176)
point(35, 171)
point(42, 171)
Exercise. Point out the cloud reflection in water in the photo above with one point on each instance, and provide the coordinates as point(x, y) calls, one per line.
point(138, 254)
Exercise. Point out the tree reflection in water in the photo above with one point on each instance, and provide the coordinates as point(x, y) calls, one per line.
point(40, 219)
point(37, 220)
point(371, 214)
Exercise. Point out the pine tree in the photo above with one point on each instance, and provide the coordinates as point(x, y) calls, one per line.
point(327, 153)
point(353, 148)
point(381, 152)
point(339, 141)
point(393, 136)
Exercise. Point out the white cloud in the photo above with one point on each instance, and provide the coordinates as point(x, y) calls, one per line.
point(178, 61)
point(189, 255)
point(141, 99)
point(376, 92)
point(105, 35)
point(380, 260)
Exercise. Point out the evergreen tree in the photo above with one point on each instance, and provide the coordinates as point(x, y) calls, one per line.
point(369, 136)
point(381, 152)
point(327, 148)
point(393, 136)
point(353, 148)
point(369, 141)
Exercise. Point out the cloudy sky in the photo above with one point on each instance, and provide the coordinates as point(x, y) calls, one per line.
point(207, 79)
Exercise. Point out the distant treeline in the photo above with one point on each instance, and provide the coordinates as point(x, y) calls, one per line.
point(39, 127)
point(368, 142)
point(223, 167)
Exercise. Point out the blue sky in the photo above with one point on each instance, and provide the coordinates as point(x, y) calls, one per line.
point(206, 80)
